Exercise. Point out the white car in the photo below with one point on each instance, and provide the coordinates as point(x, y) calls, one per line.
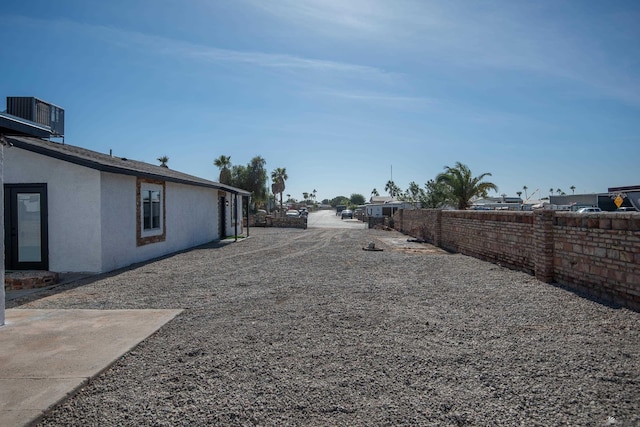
point(589, 210)
point(293, 213)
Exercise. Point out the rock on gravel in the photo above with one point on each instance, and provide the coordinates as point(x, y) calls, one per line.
point(303, 327)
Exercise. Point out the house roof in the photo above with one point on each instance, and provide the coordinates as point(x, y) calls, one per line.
point(108, 163)
point(621, 189)
point(20, 126)
point(382, 199)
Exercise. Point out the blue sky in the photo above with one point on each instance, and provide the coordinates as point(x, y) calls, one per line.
point(343, 93)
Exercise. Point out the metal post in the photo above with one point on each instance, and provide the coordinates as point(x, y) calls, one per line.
point(235, 214)
point(248, 204)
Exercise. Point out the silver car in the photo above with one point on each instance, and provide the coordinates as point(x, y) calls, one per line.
point(589, 210)
point(346, 213)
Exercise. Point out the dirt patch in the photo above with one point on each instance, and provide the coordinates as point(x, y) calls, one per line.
point(407, 245)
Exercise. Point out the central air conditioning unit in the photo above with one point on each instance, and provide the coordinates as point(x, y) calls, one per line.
point(37, 111)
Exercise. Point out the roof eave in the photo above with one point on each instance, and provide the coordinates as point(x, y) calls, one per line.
point(119, 170)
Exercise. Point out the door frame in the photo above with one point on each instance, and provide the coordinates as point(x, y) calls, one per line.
point(11, 222)
point(222, 216)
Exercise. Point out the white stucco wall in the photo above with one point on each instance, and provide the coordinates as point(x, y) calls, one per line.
point(73, 194)
point(118, 213)
point(191, 220)
point(192, 216)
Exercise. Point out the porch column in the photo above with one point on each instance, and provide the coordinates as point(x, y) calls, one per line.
point(235, 214)
point(248, 204)
point(3, 142)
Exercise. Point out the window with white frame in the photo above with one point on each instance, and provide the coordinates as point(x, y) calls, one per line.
point(151, 211)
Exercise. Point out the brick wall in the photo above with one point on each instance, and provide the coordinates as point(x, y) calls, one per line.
point(290, 222)
point(274, 221)
point(598, 254)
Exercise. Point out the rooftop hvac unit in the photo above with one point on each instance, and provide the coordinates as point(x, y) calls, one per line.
point(38, 111)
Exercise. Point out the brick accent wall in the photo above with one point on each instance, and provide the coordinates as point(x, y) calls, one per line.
point(29, 279)
point(598, 254)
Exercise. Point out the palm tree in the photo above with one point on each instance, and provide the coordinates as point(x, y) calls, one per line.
point(392, 188)
point(559, 191)
point(314, 195)
point(374, 192)
point(305, 196)
point(551, 191)
point(519, 193)
point(573, 189)
point(279, 176)
point(462, 186)
point(163, 161)
point(224, 163)
point(525, 188)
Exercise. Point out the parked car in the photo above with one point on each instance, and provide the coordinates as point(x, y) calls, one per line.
point(346, 213)
point(627, 209)
point(293, 213)
point(589, 210)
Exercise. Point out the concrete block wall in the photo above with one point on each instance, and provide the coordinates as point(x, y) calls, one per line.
point(598, 254)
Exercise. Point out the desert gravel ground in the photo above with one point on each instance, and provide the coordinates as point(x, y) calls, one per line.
point(303, 327)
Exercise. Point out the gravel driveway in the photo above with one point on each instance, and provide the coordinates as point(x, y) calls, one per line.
point(303, 327)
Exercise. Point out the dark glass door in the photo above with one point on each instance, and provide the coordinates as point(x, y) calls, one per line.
point(222, 218)
point(26, 234)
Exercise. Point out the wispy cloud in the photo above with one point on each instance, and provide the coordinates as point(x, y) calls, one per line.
point(283, 61)
point(378, 99)
point(353, 19)
point(539, 38)
point(157, 45)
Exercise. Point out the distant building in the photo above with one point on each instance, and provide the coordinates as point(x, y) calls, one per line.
point(630, 195)
point(604, 201)
point(376, 200)
point(380, 210)
point(498, 203)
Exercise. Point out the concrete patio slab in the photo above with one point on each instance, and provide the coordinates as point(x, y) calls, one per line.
point(46, 355)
